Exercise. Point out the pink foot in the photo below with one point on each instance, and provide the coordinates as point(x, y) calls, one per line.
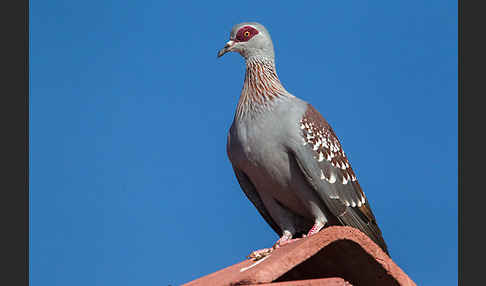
point(285, 239)
point(282, 243)
point(315, 229)
point(261, 253)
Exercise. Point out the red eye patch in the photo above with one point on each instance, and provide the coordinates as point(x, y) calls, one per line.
point(245, 33)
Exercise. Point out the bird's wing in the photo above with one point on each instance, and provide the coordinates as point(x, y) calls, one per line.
point(252, 194)
point(326, 168)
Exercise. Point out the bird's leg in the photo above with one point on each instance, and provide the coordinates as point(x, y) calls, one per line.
point(284, 239)
point(318, 225)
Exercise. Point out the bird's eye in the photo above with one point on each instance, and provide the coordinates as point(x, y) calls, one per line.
point(245, 33)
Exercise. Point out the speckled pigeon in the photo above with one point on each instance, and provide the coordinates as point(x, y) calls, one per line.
point(285, 155)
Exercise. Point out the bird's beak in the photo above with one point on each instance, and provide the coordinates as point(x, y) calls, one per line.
point(227, 48)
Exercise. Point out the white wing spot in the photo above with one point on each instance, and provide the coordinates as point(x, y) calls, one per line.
point(353, 204)
point(332, 178)
point(321, 157)
point(345, 181)
point(328, 157)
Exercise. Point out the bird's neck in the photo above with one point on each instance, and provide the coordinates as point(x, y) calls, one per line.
point(262, 88)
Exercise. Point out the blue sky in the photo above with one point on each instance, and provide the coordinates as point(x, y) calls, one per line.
point(129, 111)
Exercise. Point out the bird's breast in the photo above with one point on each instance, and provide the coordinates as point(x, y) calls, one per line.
point(254, 149)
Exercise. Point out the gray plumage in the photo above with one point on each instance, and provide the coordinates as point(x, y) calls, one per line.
point(285, 155)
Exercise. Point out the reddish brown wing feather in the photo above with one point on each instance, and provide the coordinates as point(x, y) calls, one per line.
point(320, 137)
point(348, 202)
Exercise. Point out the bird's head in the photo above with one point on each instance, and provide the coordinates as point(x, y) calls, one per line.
point(249, 39)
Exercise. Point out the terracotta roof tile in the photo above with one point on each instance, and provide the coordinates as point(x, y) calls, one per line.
point(340, 254)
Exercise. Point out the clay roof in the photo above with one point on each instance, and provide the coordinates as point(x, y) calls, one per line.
point(337, 255)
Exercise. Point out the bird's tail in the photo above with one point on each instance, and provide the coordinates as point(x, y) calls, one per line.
point(356, 218)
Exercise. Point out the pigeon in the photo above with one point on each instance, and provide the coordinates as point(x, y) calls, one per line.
point(285, 155)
